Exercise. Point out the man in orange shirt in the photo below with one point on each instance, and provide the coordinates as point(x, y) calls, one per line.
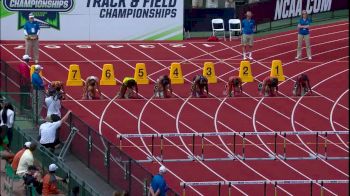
point(50, 180)
point(18, 156)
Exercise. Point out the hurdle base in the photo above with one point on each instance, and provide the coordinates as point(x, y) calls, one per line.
point(310, 157)
point(255, 158)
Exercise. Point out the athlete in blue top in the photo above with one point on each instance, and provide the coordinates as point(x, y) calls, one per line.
point(248, 29)
point(31, 32)
point(304, 34)
point(158, 184)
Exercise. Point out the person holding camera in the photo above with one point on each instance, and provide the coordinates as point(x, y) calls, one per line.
point(53, 102)
point(31, 32)
point(32, 180)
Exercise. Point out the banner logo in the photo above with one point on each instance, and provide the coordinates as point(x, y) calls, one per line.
point(292, 8)
point(135, 8)
point(46, 12)
point(39, 5)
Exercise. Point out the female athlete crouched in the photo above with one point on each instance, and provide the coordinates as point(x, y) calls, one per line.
point(269, 87)
point(162, 88)
point(199, 85)
point(129, 89)
point(233, 86)
point(302, 85)
point(91, 88)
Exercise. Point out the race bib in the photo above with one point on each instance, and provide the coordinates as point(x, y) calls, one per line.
point(33, 30)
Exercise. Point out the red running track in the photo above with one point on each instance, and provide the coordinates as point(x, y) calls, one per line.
point(327, 111)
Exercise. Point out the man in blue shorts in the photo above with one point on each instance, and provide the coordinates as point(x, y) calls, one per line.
point(158, 184)
point(248, 29)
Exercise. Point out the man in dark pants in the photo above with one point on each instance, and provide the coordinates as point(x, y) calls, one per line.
point(24, 83)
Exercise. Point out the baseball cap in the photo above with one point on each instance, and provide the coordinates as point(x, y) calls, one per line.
point(26, 56)
point(27, 144)
point(37, 67)
point(162, 169)
point(53, 167)
point(31, 15)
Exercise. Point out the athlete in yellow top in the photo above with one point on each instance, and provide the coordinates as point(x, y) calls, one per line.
point(127, 89)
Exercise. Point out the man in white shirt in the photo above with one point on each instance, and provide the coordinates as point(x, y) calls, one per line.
point(47, 131)
point(212, 4)
point(26, 160)
point(53, 103)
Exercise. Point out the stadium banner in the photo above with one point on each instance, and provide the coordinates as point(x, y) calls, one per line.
point(91, 20)
point(283, 9)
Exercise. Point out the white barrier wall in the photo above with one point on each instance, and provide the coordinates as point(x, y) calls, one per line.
point(95, 19)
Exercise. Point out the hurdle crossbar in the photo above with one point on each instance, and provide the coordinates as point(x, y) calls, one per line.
point(256, 182)
point(206, 134)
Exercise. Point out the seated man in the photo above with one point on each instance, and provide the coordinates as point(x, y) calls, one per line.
point(302, 85)
point(91, 89)
point(18, 155)
point(127, 89)
point(269, 86)
point(233, 86)
point(47, 131)
point(199, 85)
point(50, 182)
point(162, 88)
point(58, 87)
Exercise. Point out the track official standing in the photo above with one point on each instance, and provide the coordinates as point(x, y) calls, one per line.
point(38, 90)
point(304, 34)
point(31, 32)
point(158, 184)
point(24, 83)
point(248, 29)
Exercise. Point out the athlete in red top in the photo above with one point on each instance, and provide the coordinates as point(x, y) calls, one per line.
point(234, 86)
point(302, 85)
point(162, 88)
point(199, 85)
point(269, 86)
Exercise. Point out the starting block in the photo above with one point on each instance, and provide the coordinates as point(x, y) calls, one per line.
point(176, 76)
point(277, 70)
point(140, 74)
point(74, 77)
point(107, 77)
point(209, 72)
point(245, 72)
point(32, 69)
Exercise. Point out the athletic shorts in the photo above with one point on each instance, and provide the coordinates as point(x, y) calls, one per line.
point(247, 39)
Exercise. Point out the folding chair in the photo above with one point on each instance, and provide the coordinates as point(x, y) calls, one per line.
point(234, 25)
point(218, 25)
